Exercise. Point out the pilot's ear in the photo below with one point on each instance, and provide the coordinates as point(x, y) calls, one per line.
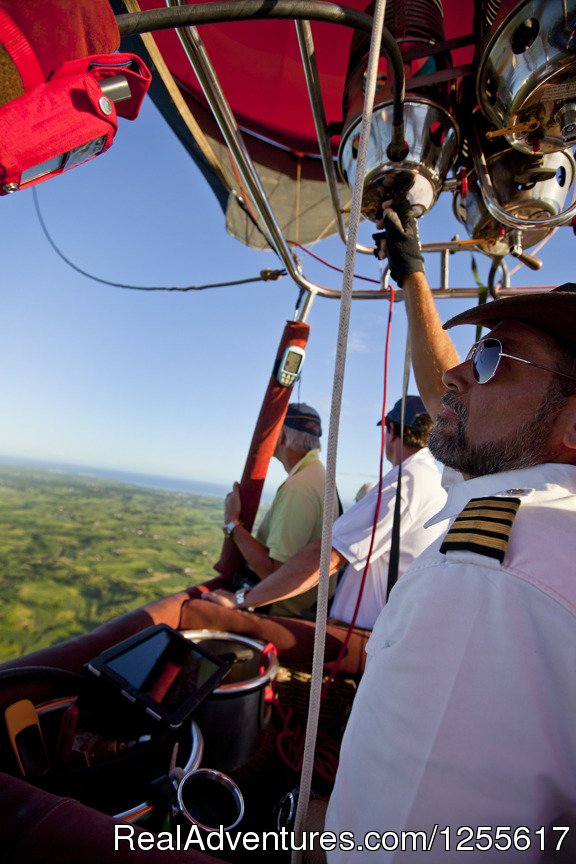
point(569, 425)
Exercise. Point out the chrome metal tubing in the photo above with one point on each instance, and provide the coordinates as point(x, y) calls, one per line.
point(213, 12)
point(188, 14)
point(444, 269)
point(308, 54)
point(472, 293)
point(203, 68)
point(304, 306)
point(223, 115)
point(198, 57)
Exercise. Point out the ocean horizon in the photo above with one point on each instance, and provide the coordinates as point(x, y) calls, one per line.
point(130, 478)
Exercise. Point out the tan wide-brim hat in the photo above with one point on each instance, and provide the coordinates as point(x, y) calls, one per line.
point(553, 312)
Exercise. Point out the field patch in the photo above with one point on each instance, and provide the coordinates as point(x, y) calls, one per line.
point(76, 551)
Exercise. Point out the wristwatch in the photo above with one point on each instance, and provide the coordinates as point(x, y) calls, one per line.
point(240, 595)
point(228, 529)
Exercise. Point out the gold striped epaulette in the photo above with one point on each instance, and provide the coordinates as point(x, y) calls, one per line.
point(483, 526)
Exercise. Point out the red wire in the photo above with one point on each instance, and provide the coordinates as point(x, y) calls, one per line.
point(331, 266)
point(340, 657)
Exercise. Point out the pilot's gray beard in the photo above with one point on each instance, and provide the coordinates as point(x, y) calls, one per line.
point(528, 445)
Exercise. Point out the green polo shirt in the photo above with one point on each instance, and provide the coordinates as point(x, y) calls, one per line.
point(294, 520)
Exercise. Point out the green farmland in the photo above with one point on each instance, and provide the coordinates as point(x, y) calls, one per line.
point(76, 551)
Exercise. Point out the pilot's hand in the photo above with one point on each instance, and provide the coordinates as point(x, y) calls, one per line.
point(221, 598)
point(399, 242)
point(233, 505)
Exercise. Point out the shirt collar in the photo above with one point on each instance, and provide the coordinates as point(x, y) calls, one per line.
point(537, 477)
point(311, 456)
point(423, 454)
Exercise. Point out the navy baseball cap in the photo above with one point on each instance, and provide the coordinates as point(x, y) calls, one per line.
point(413, 408)
point(303, 418)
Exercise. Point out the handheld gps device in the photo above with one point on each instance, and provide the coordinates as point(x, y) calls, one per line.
point(290, 365)
point(161, 671)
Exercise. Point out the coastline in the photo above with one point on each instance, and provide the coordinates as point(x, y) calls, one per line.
point(130, 478)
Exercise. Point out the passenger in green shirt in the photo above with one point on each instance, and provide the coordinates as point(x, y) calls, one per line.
point(294, 518)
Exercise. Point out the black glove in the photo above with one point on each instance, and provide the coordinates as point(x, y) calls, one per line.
point(402, 241)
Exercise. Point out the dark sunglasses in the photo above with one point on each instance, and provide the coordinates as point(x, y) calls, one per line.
point(485, 357)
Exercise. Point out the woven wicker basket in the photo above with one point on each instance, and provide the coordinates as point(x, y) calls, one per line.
point(292, 686)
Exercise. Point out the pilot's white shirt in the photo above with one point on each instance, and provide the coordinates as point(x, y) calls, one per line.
point(466, 713)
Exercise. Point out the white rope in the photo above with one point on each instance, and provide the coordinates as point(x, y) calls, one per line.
point(332, 447)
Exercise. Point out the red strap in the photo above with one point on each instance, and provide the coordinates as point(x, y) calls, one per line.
point(20, 52)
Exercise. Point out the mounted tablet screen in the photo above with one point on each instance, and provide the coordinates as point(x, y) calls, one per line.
point(159, 669)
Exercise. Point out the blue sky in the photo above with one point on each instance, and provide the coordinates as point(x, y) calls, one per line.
point(168, 383)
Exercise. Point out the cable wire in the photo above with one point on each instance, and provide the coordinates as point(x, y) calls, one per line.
point(265, 275)
point(331, 266)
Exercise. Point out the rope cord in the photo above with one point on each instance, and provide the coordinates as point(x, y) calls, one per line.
point(265, 275)
point(329, 495)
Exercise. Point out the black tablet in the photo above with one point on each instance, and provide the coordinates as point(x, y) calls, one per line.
point(162, 671)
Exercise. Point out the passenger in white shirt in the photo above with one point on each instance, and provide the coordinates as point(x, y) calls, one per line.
point(421, 497)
